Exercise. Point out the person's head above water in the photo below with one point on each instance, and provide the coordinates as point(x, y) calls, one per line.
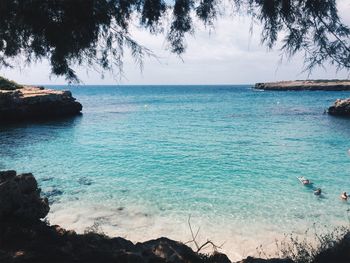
point(344, 196)
point(318, 191)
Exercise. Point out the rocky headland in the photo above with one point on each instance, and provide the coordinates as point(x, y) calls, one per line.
point(26, 238)
point(19, 102)
point(341, 107)
point(298, 85)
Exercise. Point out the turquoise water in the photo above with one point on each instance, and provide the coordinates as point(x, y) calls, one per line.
point(141, 159)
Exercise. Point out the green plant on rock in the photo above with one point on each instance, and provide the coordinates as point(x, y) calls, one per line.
point(6, 84)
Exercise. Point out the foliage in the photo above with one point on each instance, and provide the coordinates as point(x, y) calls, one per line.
point(303, 250)
point(330, 246)
point(95, 33)
point(6, 84)
point(312, 26)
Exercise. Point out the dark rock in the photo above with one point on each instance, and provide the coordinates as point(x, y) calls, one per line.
point(341, 107)
point(271, 260)
point(218, 258)
point(20, 197)
point(169, 250)
point(36, 103)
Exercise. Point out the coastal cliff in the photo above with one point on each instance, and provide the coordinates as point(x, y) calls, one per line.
point(27, 102)
point(25, 238)
point(297, 85)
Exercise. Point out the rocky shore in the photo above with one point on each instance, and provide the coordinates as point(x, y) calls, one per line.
point(28, 103)
point(297, 85)
point(26, 237)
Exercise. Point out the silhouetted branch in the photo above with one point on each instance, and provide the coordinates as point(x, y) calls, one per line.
point(194, 239)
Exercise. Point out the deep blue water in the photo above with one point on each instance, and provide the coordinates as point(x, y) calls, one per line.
point(153, 155)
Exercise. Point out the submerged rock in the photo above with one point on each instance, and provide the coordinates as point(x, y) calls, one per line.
point(36, 103)
point(341, 107)
point(85, 181)
point(20, 197)
point(52, 192)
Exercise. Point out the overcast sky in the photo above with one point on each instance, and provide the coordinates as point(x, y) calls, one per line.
point(229, 54)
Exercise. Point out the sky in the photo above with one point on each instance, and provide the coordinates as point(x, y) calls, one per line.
point(225, 54)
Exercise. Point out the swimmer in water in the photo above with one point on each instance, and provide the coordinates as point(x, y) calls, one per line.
point(306, 181)
point(344, 196)
point(318, 191)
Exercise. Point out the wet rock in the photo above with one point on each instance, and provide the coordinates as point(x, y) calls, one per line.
point(341, 107)
point(36, 103)
point(20, 197)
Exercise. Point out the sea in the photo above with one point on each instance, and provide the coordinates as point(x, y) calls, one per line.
point(143, 162)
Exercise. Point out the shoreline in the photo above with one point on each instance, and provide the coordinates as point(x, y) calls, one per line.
point(139, 226)
point(20, 221)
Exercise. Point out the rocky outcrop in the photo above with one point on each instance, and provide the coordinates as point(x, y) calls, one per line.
point(42, 243)
point(20, 198)
point(330, 85)
point(36, 103)
point(260, 260)
point(341, 107)
point(338, 253)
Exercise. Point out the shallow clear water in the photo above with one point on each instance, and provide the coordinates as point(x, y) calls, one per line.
point(142, 159)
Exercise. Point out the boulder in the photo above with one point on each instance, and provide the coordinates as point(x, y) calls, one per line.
point(341, 107)
point(167, 250)
point(20, 198)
